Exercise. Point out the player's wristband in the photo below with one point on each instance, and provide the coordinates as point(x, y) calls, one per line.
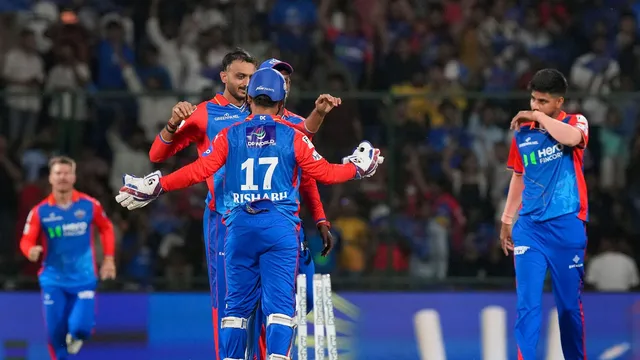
point(507, 219)
point(171, 129)
point(323, 222)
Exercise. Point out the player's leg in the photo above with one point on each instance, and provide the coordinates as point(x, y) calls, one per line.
point(243, 286)
point(278, 269)
point(55, 317)
point(566, 262)
point(531, 268)
point(220, 282)
point(82, 317)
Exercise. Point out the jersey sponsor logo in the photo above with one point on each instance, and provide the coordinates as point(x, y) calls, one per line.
point(550, 153)
point(68, 230)
point(528, 142)
point(52, 217)
point(264, 88)
point(316, 156)
point(240, 198)
point(308, 142)
point(519, 250)
point(227, 116)
point(261, 136)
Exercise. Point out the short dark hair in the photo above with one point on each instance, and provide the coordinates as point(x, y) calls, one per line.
point(264, 101)
point(550, 81)
point(237, 54)
point(64, 160)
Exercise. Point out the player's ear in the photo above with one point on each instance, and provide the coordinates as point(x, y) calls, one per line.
point(249, 99)
point(560, 101)
point(223, 77)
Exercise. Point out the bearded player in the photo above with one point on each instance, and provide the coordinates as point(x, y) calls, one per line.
point(548, 186)
point(200, 124)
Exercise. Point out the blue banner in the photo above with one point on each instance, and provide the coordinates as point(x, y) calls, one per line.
point(399, 326)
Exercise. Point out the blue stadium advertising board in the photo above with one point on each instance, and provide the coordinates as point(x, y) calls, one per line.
point(451, 326)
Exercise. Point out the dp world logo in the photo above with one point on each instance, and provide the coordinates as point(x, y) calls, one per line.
point(261, 136)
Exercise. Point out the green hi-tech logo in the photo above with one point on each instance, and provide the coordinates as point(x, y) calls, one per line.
point(531, 158)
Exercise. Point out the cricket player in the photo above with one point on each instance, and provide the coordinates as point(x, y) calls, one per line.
point(59, 230)
point(257, 347)
point(548, 186)
point(199, 124)
point(262, 155)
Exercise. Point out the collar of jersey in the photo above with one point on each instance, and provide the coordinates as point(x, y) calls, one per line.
point(75, 196)
point(274, 117)
point(219, 99)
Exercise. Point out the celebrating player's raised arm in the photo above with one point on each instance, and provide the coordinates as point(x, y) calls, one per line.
point(573, 133)
point(178, 134)
point(314, 165)
point(200, 169)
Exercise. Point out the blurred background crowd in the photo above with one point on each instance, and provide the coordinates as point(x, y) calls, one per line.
point(435, 83)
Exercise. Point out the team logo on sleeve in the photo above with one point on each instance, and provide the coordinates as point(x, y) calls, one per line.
point(582, 124)
point(261, 136)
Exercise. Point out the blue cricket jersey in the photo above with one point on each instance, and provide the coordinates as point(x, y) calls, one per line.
point(66, 234)
point(554, 183)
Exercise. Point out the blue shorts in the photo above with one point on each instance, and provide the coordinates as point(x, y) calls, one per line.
point(557, 245)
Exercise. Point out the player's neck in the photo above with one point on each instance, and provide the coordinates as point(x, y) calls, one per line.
point(232, 100)
point(259, 110)
point(62, 198)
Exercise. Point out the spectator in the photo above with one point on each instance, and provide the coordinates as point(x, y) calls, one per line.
point(24, 74)
point(355, 237)
point(68, 106)
point(612, 270)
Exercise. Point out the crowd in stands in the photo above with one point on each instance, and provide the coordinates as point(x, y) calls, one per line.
point(97, 80)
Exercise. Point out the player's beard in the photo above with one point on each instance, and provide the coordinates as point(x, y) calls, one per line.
point(236, 94)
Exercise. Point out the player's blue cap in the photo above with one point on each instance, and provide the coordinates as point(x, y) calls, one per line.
point(277, 65)
point(268, 82)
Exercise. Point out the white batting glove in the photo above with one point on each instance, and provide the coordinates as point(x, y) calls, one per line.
point(366, 158)
point(139, 192)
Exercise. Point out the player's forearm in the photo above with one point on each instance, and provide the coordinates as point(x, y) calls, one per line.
point(196, 172)
point(563, 133)
point(333, 173)
point(108, 241)
point(25, 245)
point(311, 198)
point(514, 198)
point(313, 122)
point(163, 146)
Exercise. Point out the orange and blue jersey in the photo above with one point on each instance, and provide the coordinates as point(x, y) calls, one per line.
point(67, 235)
point(209, 118)
point(249, 149)
point(554, 182)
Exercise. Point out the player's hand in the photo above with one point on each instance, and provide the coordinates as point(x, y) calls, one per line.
point(326, 103)
point(506, 242)
point(108, 269)
point(181, 111)
point(523, 117)
point(138, 192)
point(366, 158)
point(34, 253)
point(327, 238)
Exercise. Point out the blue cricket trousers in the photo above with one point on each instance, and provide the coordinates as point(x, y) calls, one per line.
point(68, 310)
point(257, 329)
point(261, 262)
point(557, 245)
point(214, 233)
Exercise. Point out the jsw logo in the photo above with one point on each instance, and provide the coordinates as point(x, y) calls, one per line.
point(493, 336)
point(75, 229)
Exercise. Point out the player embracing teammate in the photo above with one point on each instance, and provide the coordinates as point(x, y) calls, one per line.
point(200, 124)
point(549, 187)
point(262, 156)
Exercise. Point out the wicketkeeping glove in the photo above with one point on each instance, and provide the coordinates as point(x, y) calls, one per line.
point(366, 158)
point(138, 192)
